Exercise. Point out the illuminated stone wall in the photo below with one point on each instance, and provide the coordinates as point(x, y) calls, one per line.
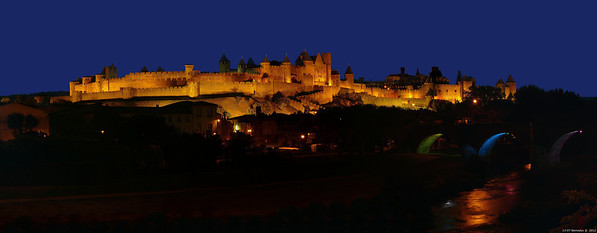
point(262, 82)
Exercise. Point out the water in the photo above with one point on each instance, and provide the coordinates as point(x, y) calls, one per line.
point(478, 210)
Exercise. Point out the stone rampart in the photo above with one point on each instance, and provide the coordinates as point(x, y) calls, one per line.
point(210, 88)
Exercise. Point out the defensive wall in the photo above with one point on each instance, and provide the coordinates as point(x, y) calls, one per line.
point(409, 103)
point(450, 92)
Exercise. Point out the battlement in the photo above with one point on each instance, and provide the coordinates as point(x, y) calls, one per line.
point(312, 73)
point(157, 74)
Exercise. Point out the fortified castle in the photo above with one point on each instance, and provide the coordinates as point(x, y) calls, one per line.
point(310, 82)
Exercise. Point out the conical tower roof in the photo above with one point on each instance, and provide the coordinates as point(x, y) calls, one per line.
point(265, 59)
point(224, 59)
point(304, 56)
point(250, 62)
point(348, 70)
point(510, 79)
point(242, 62)
point(501, 81)
point(286, 59)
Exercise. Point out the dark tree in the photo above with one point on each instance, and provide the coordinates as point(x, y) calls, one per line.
point(30, 122)
point(484, 94)
point(16, 123)
point(20, 123)
point(24, 99)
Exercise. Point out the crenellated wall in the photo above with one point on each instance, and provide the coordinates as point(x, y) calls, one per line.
point(414, 103)
point(264, 81)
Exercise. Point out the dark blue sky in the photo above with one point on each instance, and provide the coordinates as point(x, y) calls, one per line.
point(46, 44)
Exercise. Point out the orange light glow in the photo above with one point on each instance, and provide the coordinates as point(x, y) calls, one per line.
point(479, 205)
point(474, 101)
point(302, 136)
point(249, 130)
point(527, 167)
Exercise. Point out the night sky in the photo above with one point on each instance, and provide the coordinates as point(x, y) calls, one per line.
point(46, 44)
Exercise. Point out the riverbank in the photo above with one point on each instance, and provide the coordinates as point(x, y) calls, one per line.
point(558, 198)
point(394, 192)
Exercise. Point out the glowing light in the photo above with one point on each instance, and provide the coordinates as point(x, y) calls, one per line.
point(474, 101)
point(488, 144)
point(236, 128)
point(218, 120)
point(102, 131)
point(302, 136)
point(556, 148)
point(478, 204)
point(448, 204)
point(425, 145)
point(413, 105)
point(527, 167)
point(249, 130)
point(288, 148)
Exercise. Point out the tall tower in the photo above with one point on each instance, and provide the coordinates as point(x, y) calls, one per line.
point(502, 86)
point(320, 74)
point(224, 64)
point(241, 66)
point(349, 76)
point(510, 88)
point(110, 71)
point(287, 70)
point(305, 60)
point(188, 70)
point(327, 59)
point(265, 66)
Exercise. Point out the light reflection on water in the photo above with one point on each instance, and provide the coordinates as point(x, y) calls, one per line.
point(480, 208)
